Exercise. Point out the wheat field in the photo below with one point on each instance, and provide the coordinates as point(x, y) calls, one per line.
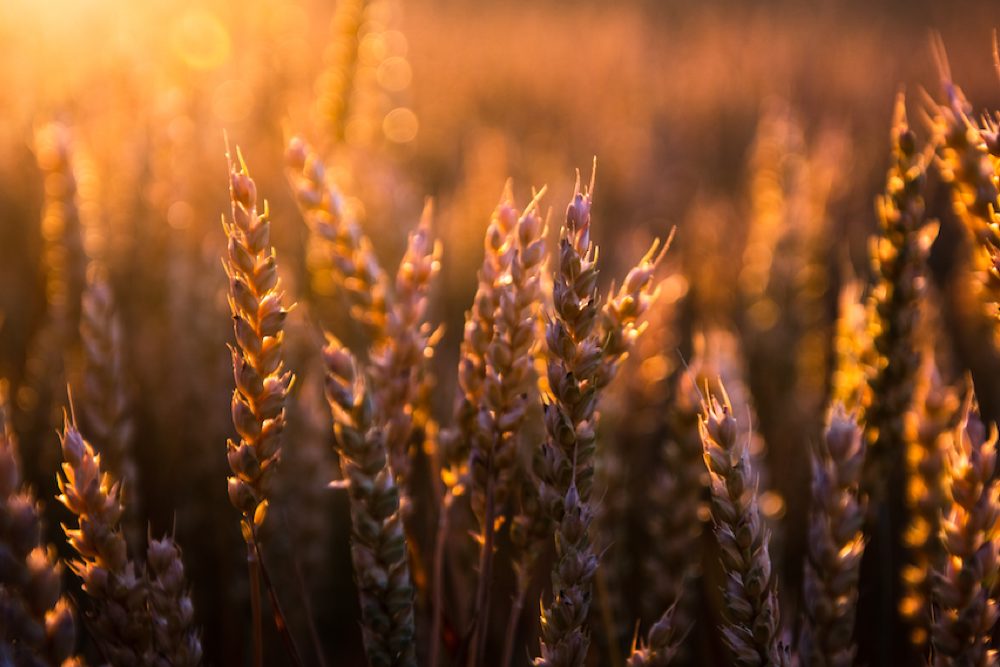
point(498, 334)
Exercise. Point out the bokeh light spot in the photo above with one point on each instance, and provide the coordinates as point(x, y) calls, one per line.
point(400, 125)
point(200, 40)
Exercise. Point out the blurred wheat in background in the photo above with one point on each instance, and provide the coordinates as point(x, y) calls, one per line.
point(444, 389)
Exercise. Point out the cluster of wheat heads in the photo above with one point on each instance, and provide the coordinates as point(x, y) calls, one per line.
point(574, 415)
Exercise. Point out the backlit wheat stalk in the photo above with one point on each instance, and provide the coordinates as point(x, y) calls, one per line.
point(753, 618)
point(965, 586)
point(262, 383)
point(347, 251)
point(586, 343)
point(836, 542)
point(378, 543)
point(104, 406)
point(39, 626)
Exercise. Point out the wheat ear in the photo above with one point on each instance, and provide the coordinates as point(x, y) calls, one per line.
point(39, 626)
point(753, 618)
point(262, 383)
point(347, 252)
point(586, 344)
point(937, 415)
point(378, 543)
point(836, 543)
point(115, 585)
point(965, 586)
point(104, 407)
point(400, 363)
point(899, 255)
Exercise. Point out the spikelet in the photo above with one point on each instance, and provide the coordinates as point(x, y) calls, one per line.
point(836, 543)
point(965, 587)
point(346, 253)
point(378, 543)
point(662, 643)
point(899, 257)
point(753, 618)
point(262, 383)
point(104, 405)
point(38, 628)
point(586, 343)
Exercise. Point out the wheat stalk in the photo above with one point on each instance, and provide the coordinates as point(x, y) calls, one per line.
point(965, 586)
point(104, 406)
point(753, 618)
point(508, 388)
point(400, 363)
point(39, 625)
point(899, 260)
point(348, 253)
point(937, 416)
point(378, 543)
point(65, 268)
point(456, 443)
point(586, 342)
point(262, 383)
point(899, 255)
point(836, 542)
point(171, 610)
